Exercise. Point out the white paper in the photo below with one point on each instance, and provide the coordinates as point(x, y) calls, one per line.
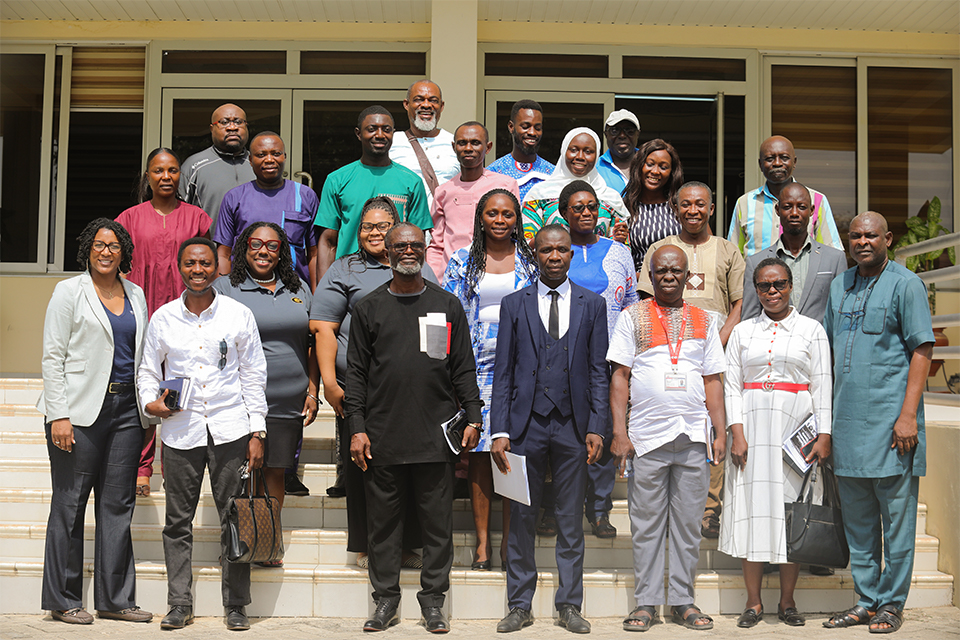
point(514, 484)
point(433, 335)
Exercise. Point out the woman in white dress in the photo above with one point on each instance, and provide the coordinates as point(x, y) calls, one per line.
point(778, 373)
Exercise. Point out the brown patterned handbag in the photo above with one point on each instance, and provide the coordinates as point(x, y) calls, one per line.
point(252, 528)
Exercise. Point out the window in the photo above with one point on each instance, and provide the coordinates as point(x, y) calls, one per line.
point(546, 65)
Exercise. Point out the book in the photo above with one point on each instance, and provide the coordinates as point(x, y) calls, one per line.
point(179, 394)
point(798, 444)
point(453, 431)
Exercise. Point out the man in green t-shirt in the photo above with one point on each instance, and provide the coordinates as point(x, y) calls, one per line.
point(374, 174)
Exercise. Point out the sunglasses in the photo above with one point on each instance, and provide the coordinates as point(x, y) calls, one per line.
point(779, 285)
point(223, 355)
point(592, 207)
point(255, 244)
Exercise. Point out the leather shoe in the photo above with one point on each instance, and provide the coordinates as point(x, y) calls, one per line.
point(293, 486)
point(236, 619)
point(571, 619)
point(130, 614)
point(517, 619)
point(602, 527)
point(384, 616)
point(77, 615)
point(179, 616)
point(434, 621)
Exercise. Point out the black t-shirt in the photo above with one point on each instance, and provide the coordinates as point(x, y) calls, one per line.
point(398, 394)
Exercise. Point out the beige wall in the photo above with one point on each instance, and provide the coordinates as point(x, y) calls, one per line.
point(940, 491)
point(23, 304)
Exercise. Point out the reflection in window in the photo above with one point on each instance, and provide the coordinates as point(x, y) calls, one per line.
point(558, 118)
point(816, 108)
point(910, 140)
point(21, 120)
point(191, 121)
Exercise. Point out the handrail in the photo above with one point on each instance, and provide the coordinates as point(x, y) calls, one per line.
point(940, 242)
point(946, 320)
point(941, 274)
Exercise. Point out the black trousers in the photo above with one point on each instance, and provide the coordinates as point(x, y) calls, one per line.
point(357, 502)
point(105, 458)
point(388, 489)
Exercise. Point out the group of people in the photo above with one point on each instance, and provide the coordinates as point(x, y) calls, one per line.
point(582, 315)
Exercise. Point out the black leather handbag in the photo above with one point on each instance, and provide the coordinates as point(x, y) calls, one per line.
point(814, 532)
point(252, 528)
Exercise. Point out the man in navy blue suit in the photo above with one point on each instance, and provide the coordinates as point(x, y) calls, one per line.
point(550, 402)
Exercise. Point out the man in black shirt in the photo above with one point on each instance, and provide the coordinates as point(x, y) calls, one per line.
point(410, 367)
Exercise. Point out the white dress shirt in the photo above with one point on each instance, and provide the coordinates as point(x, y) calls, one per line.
point(228, 404)
point(563, 304)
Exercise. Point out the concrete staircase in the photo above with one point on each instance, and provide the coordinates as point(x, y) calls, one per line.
point(320, 577)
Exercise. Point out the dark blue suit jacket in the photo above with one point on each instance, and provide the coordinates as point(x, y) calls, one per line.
point(518, 359)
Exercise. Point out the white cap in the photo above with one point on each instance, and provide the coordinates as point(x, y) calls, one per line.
point(620, 115)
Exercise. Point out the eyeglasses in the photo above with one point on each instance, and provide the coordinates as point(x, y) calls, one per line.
point(401, 247)
point(592, 207)
point(255, 244)
point(627, 131)
point(382, 227)
point(226, 122)
point(779, 285)
point(223, 355)
point(99, 246)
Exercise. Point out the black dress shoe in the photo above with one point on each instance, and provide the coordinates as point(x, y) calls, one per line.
point(434, 621)
point(384, 616)
point(180, 615)
point(571, 619)
point(602, 527)
point(236, 619)
point(517, 619)
point(292, 486)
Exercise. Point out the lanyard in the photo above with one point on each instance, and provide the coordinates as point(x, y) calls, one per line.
point(674, 353)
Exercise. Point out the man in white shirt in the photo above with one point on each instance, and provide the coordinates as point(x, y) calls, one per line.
point(667, 360)
point(212, 340)
point(425, 148)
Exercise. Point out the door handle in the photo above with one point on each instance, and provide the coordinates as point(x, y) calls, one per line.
point(299, 174)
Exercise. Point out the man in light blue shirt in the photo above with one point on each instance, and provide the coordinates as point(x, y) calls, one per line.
point(622, 131)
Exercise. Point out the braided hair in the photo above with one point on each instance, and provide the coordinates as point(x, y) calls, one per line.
point(380, 203)
point(476, 264)
point(284, 269)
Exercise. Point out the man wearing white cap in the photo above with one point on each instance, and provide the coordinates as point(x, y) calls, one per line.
point(622, 131)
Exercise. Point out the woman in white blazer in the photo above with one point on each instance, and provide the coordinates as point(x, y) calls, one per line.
point(93, 339)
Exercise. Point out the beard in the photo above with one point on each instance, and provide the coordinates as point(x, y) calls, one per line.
point(424, 124)
point(407, 269)
point(527, 149)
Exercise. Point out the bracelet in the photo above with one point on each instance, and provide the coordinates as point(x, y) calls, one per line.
point(310, 395)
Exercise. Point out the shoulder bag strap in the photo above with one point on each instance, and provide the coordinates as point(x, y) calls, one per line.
point(428, 174)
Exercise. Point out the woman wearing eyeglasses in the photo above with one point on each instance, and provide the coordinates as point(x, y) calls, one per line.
point(262, 277)
point(157, 226)
point(93, 337)
point(778, 373)
point(343, 285)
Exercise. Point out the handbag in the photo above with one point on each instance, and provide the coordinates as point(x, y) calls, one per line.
point(253, 530)
point(815, 532)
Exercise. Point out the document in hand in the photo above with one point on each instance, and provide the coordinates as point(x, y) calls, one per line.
point(453, 431)
point(797, 446)
point(513, 484)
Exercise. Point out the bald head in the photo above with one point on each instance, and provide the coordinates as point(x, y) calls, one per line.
point(869, 241)
point(871, 218)
point(777, 160)
point(668, 272)
point(228, 129)
point(796, 191)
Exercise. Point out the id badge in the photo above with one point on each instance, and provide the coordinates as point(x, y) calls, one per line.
point(675, 382)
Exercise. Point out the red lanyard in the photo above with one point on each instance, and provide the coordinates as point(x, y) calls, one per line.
point(674, 353)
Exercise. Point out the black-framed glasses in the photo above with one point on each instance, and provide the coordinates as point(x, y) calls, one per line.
point(223, 355)
point(592, 207)
point(255, 244)
point(382, 227)
point(100, 245)
point(401, 247)
point(226, 122)
point(779, 285)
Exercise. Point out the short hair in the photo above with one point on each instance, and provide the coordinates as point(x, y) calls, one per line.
point(421, 81)
point(267, 133)
point(189, 242)
point(144, 192)
point(772, 262)
point(550, 228)
point(694, 184)
point(568, 192)
point(797, 184)
point(89, 234)
point(372, 110)
point(284, 269)
point(397, 227)
point(520, 105)
point(473, 123)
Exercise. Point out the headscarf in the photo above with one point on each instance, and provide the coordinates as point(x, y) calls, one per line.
point(562, 176)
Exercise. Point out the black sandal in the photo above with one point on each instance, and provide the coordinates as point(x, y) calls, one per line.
point(890, 615)
point(690, 621)
point(791, 616)
point(645, 622)
point(852, 617)
point(750, 618)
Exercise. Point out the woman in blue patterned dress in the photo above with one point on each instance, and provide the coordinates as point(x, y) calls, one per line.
point(496, 264)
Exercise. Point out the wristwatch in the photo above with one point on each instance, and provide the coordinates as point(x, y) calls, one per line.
point(259, 434)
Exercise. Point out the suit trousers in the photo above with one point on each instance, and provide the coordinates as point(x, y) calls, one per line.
point(601, 478)
point(388, 489)
point(105, 458)
point(880, 520)
point(554, 438)
point(183, 475)
point(668, 487)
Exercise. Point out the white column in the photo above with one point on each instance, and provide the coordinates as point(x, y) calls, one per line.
point(453, 59)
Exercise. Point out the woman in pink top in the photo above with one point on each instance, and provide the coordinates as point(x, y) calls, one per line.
point(157, 226)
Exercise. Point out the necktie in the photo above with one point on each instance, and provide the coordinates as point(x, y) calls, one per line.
point(554, 324)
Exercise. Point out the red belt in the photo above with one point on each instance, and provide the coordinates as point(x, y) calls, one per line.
point(777, 386)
